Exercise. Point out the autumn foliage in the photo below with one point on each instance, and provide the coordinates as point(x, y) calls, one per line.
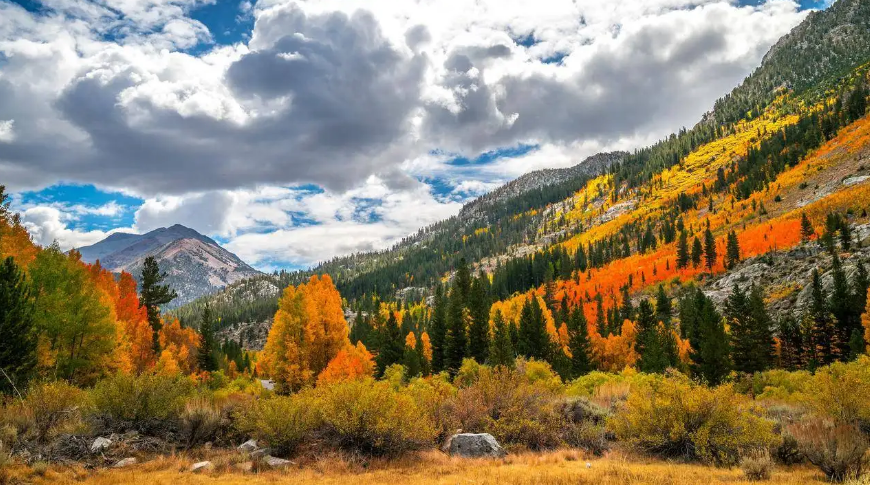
point(308, 332)
point(351, 362)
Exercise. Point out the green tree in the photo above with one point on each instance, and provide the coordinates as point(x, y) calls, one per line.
point(438, 329)
point(732, 250)
point(578, 343)
point(153, 294)
point(501, 351)
point(478, 331)
point(533, 341)
point(682, 250)
point(697, 252)
point(391, 344)
point(822, 329)
point(655, 343)
point(846, 320)
point(664, 309)
point(412, 360)
point(709, 249)
point(206, 357)
point(791, 337)
point(455, 341)
point(705, 329)
point(17, 333)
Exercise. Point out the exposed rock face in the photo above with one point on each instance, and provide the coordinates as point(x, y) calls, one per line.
point(248, 446)
point(475, 445)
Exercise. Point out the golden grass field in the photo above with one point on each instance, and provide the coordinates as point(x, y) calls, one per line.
point(551, 468)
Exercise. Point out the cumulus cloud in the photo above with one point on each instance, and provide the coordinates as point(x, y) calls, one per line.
point(48, 225)
point(360, 97)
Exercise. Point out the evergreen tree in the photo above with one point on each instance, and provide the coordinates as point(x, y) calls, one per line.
point(600, 318)
point(764, 347)
point(391, 345)
point(682, 251)
point(456, 339)
point(732, 250)
point(153, 294)
point(17, 334)
point(841, 306)
point(206, 358)
point(807, 230)
point(438, 329)
point(501, 350)
point(705, 329)
point(664, 308)
point(361, 331)
point(425, 366)
point(533, 339)
point(822, 329)
point(578, 343)
point(580, 261)
point(412, 360)
point(709, 249)
point(697, 252)
point(791, 338)
point(478, 331)
point(462, 281)
point(627, 310)
point(655, 344)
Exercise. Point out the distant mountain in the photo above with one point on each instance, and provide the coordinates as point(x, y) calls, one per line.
point(591, 166)
point(195, 264)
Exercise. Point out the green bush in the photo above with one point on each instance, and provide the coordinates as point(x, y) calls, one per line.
point(841, 391)
point(678, 418)
point(141, 401)
point(281, 421)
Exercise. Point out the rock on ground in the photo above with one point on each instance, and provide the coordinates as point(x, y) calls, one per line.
point(248, 446)
point(202, 466)
point(274, 462)
point(100, 444)
point(125, 463)
point(471, 445)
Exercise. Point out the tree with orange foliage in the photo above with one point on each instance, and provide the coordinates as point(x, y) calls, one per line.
point(179, 349)
point(309, 330)
point(351, 362)
point(137, 333)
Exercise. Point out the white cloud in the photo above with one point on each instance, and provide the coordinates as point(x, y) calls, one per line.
point(7, 135)
point(47, 225)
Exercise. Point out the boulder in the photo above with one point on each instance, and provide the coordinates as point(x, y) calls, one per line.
point(259, 453)
point(248, 446)
point(275, 462)
point(202, 466)
point(100, 444)
point(475, 445)
point(125, 463)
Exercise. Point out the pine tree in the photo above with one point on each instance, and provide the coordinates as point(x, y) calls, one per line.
point(682, 251)
point(501, 350)
point(791, 338)
point(462, 281)
point(580, 261)
point(697, 252)
point(17, 334)
point(533, 339)
point(206, 358)
point(456, 339)
point(600, 319)
point(391, 345)
point(626, 312)
point(842, 308)
point(153, 294)
point(438, 329)
point(822, 327)
point(807, 230)
point(706, 332)
point(478, 331)
point(709, 249)
point(412, 359)
point(655, 345)
point(361, 331)
point(664, 308)
point(732, 250)
point(578, 343)
point(763, 349)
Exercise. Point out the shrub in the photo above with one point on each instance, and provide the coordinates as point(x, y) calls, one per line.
point(587, 436)
point(788, 452)
point(434, 397)
point(837, 449)
point(841, 391)
point(141, 401)
point(281, 421)
point(512, 407)
point(677, 418)
point(757, 465)
point(48, 409)
point(200, 421)
point(372, 417)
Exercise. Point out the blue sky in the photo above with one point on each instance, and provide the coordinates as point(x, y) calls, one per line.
point(346, 124)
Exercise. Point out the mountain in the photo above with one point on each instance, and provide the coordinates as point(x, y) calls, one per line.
point(195, 264)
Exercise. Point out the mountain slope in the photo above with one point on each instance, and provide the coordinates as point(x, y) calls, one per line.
point(195, 264)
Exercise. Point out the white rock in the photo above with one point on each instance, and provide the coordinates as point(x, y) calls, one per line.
point(248, 446)
point(202, 466)
point(100, 444)
point(473, 445)
point(125, 463)
point(275, 462)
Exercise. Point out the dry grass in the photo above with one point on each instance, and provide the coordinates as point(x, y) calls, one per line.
point(553, 468)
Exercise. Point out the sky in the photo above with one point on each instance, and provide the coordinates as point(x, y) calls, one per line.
point(294, 131)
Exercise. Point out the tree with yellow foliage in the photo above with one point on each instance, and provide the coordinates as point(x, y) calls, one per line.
point(179, 349)
point(309, 331)
point(352, 362)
